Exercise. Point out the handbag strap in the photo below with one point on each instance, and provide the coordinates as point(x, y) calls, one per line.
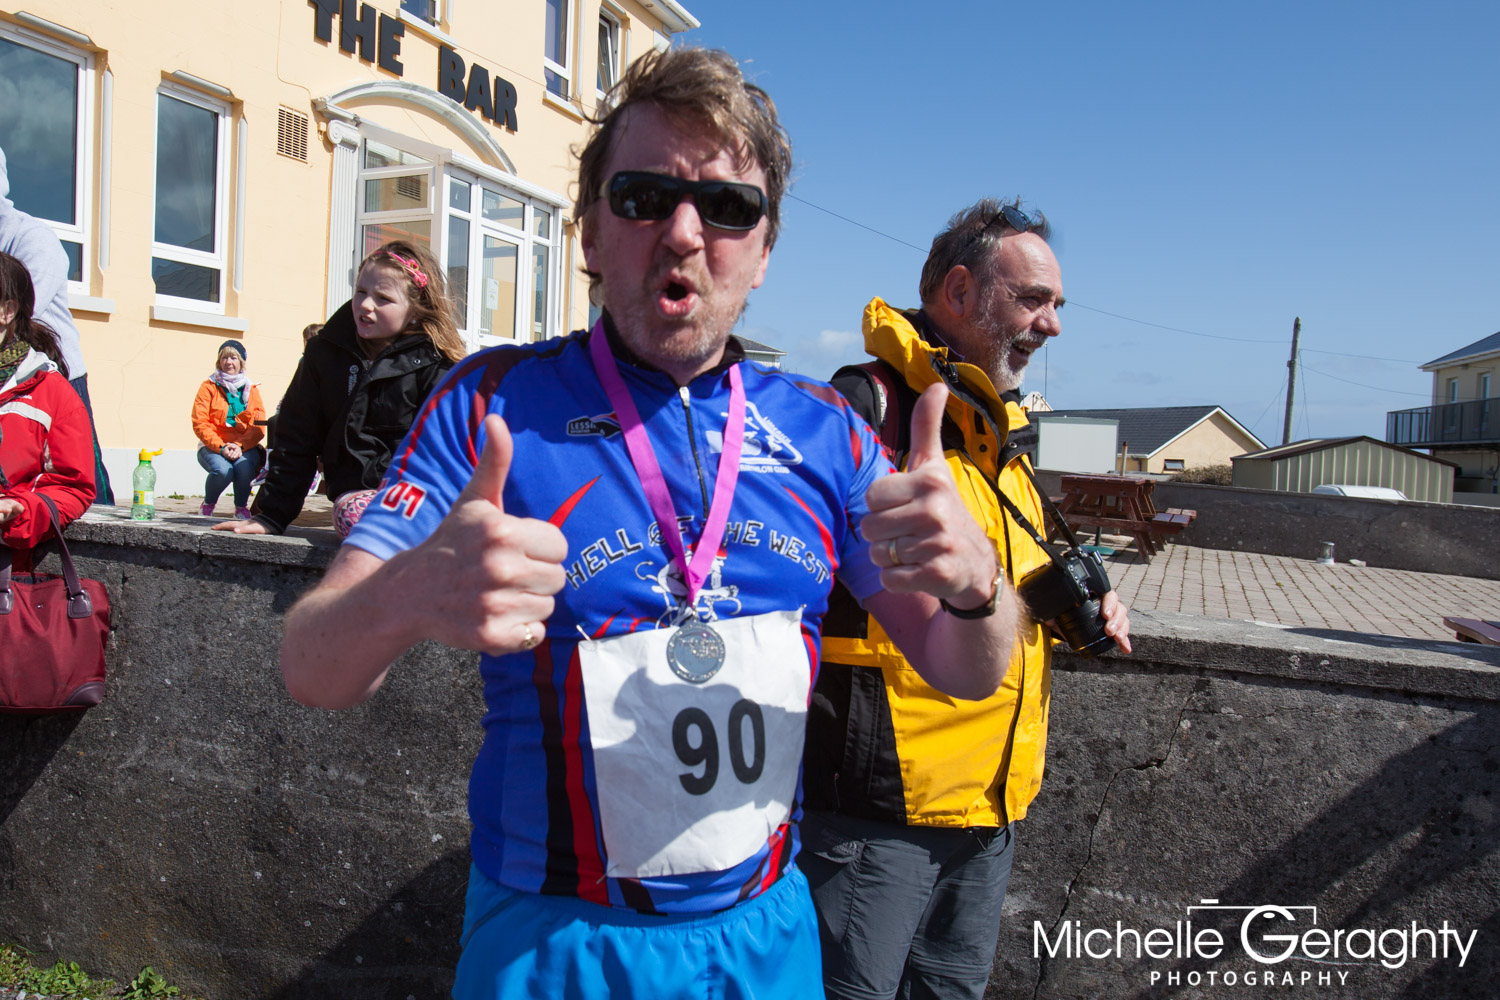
point(80, 605)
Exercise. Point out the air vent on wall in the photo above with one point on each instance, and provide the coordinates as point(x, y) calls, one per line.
point(291, 134)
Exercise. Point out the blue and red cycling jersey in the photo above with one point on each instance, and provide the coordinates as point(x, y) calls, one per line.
point(806, 462)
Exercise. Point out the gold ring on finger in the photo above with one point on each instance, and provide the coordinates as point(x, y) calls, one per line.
point(890, 550)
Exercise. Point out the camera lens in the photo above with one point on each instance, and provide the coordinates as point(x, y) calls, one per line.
point(1083, 629)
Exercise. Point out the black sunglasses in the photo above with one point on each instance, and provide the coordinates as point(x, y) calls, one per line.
point(644, 196)
point(1014, 219)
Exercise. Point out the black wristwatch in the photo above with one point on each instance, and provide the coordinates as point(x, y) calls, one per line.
point(983, 611)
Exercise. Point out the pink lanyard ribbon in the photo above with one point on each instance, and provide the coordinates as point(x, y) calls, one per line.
point(643, 458)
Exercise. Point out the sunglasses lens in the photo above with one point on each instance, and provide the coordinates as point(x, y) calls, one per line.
point(1017, 219)
point(650, 197)
point(653, 197)
point(730, 206)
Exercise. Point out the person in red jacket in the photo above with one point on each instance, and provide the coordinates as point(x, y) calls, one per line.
point(46, 445)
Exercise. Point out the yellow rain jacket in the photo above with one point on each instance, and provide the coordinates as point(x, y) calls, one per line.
point(882, 743)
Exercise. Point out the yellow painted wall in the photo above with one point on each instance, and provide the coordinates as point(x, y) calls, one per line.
point(142, 372)
point(1468, 376)
point(1212, 442)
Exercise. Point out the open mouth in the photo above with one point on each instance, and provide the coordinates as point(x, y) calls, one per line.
point(676, 299)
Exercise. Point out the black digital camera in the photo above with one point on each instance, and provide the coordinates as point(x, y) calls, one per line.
point(1068, 592)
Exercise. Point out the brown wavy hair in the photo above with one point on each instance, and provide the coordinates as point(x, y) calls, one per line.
point(16, 286)
point(702, 89)
point(432, 310)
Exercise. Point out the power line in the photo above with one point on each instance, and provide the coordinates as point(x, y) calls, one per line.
point(1362, 357)
point(1306, 419)
point(1399, 392)
point(861, 225)
point(1270, 404)
point(1103, 312)
point(1174, 329)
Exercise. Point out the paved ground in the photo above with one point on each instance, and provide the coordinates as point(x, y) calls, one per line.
point(1252, 587)
point(1220, 584)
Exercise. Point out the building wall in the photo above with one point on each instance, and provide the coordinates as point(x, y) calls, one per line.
point(1470, 381)
point(145, 363)
point(1362, 463)
point(1210, 442)
point(1075, 444)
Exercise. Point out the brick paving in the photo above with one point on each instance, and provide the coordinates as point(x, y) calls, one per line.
point(1250, 586)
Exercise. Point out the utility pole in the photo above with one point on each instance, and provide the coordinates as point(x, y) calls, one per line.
point(1291, 382)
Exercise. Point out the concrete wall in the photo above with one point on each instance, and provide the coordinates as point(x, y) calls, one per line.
point(247, 847)
point(1396, 534)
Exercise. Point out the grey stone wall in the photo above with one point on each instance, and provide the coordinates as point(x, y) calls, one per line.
point(1395, 534)
point(1261, 767)
point(200, 821)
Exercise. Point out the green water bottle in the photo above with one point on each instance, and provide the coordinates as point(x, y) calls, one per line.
point(143, 504)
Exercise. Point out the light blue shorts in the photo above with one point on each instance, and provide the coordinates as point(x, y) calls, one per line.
point(521, 944)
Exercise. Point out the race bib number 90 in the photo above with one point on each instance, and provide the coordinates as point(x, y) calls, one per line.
point(694, 777)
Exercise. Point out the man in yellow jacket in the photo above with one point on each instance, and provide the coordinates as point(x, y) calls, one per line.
point(912, 795)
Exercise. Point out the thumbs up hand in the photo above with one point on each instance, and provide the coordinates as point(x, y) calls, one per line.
point(921, 535)
point(484, 579)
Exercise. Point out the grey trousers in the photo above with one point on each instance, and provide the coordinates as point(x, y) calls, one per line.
point(905, 911)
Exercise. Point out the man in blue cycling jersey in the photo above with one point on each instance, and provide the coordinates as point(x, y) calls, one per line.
point(639, 530)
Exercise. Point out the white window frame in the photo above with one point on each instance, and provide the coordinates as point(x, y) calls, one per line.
point(218, 258)
point(1484, 385)
point(433, 29)
point(524, 239)
point(441, 165)
point(82, 231)
point(616, 21)
point(1452, 391)
point(439, 5)
point(570, 9)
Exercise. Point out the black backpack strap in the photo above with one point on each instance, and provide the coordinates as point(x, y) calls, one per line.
point(874, 392)
point(877, 392)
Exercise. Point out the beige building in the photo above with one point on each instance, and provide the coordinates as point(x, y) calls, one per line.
point(1463, 423)
point(217, 170)
point(1168, 439)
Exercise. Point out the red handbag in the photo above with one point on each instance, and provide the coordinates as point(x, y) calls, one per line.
point(53, 630)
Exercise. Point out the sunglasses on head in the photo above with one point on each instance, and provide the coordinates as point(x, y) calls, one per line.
point(1013, 217)
point(648, 197)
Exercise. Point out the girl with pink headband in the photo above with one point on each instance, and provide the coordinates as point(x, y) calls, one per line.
point(359, 386)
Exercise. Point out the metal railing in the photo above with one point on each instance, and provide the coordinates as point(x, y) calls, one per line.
point(1477, 421)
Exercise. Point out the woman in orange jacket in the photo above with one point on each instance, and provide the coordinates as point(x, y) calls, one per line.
point(224, 418)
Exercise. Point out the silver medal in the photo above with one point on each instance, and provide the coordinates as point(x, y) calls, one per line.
point(695, 652)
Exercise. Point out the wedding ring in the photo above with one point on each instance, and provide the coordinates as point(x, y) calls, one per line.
point(530, 640)
point(890, 550)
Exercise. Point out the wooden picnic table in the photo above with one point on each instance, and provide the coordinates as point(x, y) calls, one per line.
point(1474, 629)
point(1121, 505)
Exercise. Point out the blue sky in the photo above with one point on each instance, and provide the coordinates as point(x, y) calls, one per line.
point(1214, 168)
